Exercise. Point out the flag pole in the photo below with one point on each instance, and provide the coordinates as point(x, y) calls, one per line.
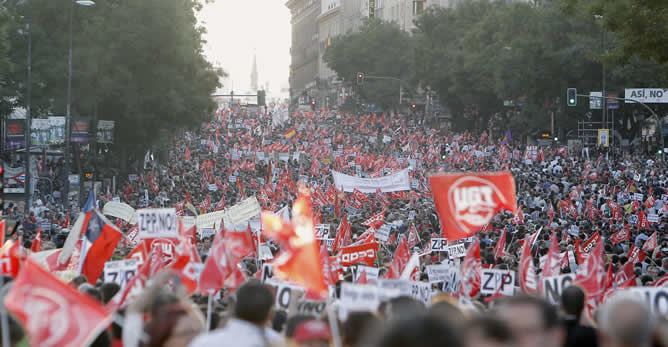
point(208, 312)
point(4, 319)
point(334, 326)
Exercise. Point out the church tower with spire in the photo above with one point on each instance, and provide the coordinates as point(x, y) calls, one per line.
point(254, 76)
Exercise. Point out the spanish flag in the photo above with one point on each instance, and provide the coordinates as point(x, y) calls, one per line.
point(290, 133)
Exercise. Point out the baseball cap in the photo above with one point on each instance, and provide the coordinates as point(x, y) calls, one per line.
point(312, 330)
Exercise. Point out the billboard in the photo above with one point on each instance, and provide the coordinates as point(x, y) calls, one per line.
point(105, 131)
point(56, 130)
point(80, 129)
point(15, 132)
point(39, 132)
point(646, 95)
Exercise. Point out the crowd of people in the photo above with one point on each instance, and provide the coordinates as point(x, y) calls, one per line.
point(571, 201)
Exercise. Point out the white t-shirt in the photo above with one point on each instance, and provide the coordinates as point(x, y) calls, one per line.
point(238, 333)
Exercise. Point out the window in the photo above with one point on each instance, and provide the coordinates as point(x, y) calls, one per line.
point(418, 7)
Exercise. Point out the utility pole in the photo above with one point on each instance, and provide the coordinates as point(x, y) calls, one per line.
point(27, 181)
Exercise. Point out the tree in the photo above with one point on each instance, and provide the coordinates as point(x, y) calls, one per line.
point(378, 49)
point(5, 64)
point(139, 63)
point(640, 25)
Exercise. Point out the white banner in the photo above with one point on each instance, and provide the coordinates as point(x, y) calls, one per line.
point(356, 298)
point(440, 272)
point(157, 222)
point(646, 95)
point(119, 210)
point(555, 285)
point(392, 183)
point(244, 211)
point(655, 297)
point(456, 251)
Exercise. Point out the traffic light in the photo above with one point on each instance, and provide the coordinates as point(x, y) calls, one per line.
point(444, 152)
point(261, 98)
point(313, 105)
point(413, 106)
point(572, 96)
point(360, 78)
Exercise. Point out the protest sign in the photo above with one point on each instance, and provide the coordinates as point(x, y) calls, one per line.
point(120, 272)
point(553, 286)
point(383, 233)
point(457, 250)
point(371, 273)
point(157, 223)
point(364, 253)
point(244, 211)
point(356, 298)
point(501, 281)
point(311, 308)
point(119, 210)
point(653, 218)
point(392, 183)
point(655, 297)
point(440, 272)
point(420, 291)
point(207, 233)
point(265, 252)
point(439, 244)
point(321, 231)
point(267, 272)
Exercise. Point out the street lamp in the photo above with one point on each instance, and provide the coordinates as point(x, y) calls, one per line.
point(68, 115)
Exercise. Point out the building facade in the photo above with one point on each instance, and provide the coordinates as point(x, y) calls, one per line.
point(305, 50)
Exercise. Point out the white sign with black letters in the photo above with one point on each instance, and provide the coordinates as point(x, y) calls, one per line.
point(120, 272)
point(555, 285)
point(497, 280)
point(439, 245)
point(157, 223)
point(457, 250)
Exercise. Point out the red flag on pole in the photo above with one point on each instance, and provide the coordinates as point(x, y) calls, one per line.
point(53, 313)
point(527, 272)
point(470, 271)
point(99, 241)
point(399, 261)
point(37, 241)
point(650, 244)
point(299, 258)
point(467, 202)
point(499, 248)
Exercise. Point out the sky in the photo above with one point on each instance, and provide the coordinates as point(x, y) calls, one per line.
point(238, 28)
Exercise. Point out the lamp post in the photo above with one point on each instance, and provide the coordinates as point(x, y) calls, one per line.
point(68, 115)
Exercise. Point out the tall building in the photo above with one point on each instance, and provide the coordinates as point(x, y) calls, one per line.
point(253, 76)
point(304, 50)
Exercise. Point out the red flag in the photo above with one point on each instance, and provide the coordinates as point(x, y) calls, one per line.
point(467, 202)
point(622, 235)
point(413, 237)
point(552, 265)
point(661, 282)
point(590, 276)
point(527, 272)
point(470, 271)
point(37, 241)
point(375, 221)
point(399, 261)
point(186, 155)
point(226, 252)
point(636, 254)
point(11, 258)
point(100, 240)
point(650, 244)
point(53, 313)
point(362, 253)
point(343, 235)
point(624, 273)
point(221, 204)
point(591, 242)
point(362, 278)
point(299, 258)
point(499, 248)
point(519, 217)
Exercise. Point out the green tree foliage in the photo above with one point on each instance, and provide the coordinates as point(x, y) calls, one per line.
point(378, 49)
point(482, 53)
point(640, 25)
point(5, 64)
point(139, 63)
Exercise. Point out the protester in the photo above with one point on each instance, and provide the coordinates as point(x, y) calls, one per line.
point(572, 305)
point(249, 327)
point(626, 322)
point(570, 209)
